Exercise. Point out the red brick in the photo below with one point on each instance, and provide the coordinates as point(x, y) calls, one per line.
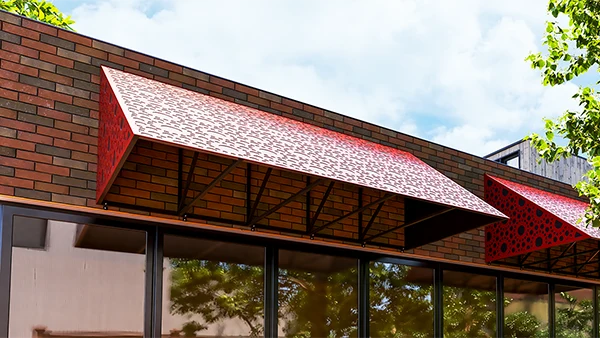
point(313, 110)
point(55, 96)
point(52, 169)
point(17, 68)
point(20, 31)
point(182, 78)
point(123, 61)
point(86, 157)
point(245, 89)
point(71, 127)
point(209, 86)
point(70, 145)
point(16, 163)
point(10, 114)
point(150, 186)
point(6, 190)
point(85, 103)
point(84, 139)
point(13, 143)
point(74, 38)
point(54, 132)
point(291, 103)
point(46, 29)
point(35, 157)
point(281, 107)
point(33, 175)
point(4, 55)
point(134, 192)
point(9, 94)
point(36, 100)
point(39, 46)
point(14, 124)
point(222, 82)
point(258, 101)
point(16, 182)
point(19, 87)
point(91, 51)
point(56, 78)
point(169, 81)
point(31, 137)
point(168, 66)
point(138, 57)
point(11, 47)
point(57, 60)
point(57, 115)
point(59, 189)
point(5, 74)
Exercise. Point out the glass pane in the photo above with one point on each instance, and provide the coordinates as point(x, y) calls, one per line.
point(469, 305)
point(525, 309)
point(574, 311)
point(318, 295)
point(401, 301)
point(76, 280)
point(212, 289)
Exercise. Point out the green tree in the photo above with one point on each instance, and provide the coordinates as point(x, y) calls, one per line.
point(573, 50)
point(39, 10)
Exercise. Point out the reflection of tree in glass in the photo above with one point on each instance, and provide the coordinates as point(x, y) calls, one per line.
point(313, 304)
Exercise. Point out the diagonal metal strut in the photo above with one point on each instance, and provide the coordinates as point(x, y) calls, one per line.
point(370, 238)
point(188, 182)
point(288, 200)
point(365, 207)
point(371, 221)
point(320, 207)
point(260, 193)
point(211, 185)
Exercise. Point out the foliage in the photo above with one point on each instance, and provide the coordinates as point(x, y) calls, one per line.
point(39, 10)
point(324, 304)
point(573, 50)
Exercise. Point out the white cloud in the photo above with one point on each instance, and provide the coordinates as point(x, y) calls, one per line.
point(460, 63)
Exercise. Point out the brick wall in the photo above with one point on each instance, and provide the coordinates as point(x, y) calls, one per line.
point(49, 92)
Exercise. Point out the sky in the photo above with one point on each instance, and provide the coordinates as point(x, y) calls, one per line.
point(452, 72)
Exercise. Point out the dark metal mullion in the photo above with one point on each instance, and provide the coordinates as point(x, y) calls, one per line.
point(308, 204)
point(363, 297)
point(438, 302)
point(271, 284)
point(149, 285)
point(360, 213)
point(551, 310)
point(500, 306)
point(6, 234)
point(157, 280)
point(596, 321)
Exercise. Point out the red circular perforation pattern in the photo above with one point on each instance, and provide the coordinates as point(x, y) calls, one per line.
point(159, 111)
point(531, 226)
point(114, 136)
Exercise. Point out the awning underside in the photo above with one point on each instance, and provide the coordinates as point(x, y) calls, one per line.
point(337, 186)
point(542, 232)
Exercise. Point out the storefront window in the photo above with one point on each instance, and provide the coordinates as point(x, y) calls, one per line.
point(469, 305)
point(212, 289)
point(525, 309)
point(76, 280)
point(401, 301)
point(574, 311)
point(317, 295)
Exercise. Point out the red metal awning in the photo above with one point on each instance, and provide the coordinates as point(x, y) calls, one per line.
point(135, 108)
point(538, 220)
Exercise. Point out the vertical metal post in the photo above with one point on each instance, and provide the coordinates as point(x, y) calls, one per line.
point(596, 322)
point(438, 303)
point(154, 281)
point(363, 298)
point(551, 311)
point(248, 192)
point(271, 286)
point(360, 214)
point(500, 306)
point(6, 233)
point(308, 220)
